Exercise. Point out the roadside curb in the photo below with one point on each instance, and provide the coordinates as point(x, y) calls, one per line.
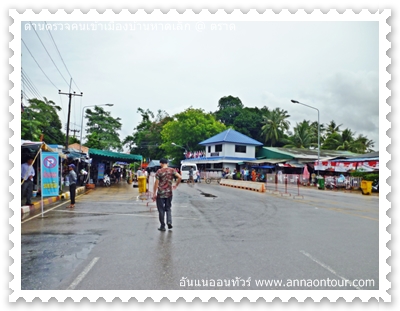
point(37, 205)
point(259, 187)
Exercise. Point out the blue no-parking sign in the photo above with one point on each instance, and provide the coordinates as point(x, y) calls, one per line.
point(49, 167)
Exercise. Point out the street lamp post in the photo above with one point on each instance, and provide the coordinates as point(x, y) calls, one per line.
point(297, 102)
point(83, 109)
point(180, 147)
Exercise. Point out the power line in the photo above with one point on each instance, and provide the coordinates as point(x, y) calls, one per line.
point(29, 83)
point(61, 57)
point(69, 112)
point(28, 109)
point(27, 89)
point(48, 54)
point(38, 64)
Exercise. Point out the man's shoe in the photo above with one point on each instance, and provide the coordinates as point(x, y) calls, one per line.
point(169, 226)
point(162, 229)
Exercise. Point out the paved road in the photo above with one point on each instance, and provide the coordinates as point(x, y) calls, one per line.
point(110, 241)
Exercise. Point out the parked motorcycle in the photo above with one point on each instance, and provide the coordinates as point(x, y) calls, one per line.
point(106, 180)
point(375, 186)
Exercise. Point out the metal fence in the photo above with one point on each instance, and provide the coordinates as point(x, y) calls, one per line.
point(292, 183)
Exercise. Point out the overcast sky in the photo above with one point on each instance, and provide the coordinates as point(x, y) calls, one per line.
point(332, 66)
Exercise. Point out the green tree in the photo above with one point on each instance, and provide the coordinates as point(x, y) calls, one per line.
point(332, 142)
point(302, 136)
point(187, 129)
point(102, 129)
point(314, 134)
point(249, 122)
point(347, 140)
point(275, 125)
point(73, 140)
point(229, 108)
point(333, 128)
point(361, 144)
point(41, 118)
point(146, 138)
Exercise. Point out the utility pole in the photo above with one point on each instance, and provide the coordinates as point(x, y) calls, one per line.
point(75, 131)
point(69, 112)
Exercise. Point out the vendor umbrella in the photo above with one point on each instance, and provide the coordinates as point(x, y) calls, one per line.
point(306, 173)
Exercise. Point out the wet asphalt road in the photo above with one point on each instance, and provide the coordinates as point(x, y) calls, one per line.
point(110, 241)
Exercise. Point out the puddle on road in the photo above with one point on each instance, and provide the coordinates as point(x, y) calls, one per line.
point(49, 258)
point(208, 195)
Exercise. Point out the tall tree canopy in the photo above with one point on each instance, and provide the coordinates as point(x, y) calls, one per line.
point(245, 120)
point(103, 130)
point(346, 140)
point(275, 125)
point(187, 129)
point(302, 136)
point(229, 108)
point(146, 138)
point(41, 118)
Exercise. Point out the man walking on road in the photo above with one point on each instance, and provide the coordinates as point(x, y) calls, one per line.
point(72, 184)
point(27, 174)
point(162, 192)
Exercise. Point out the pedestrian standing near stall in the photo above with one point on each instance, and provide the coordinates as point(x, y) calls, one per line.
point(198, 176)
point(27, 174)
point(72, 184)
point(162, 192)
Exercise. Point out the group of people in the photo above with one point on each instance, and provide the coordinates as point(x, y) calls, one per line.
point(194, 175)
point(244, 174)
point(162, 192)
point(27, 184)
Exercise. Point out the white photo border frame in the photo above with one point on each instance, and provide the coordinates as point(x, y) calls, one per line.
point(156, 15)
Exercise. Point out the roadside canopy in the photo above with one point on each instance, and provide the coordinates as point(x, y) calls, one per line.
point(106, 155)
point(32, 147)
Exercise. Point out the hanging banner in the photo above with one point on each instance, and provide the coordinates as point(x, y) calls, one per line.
point(49, 168)
point(339, 166)
point(100, 171)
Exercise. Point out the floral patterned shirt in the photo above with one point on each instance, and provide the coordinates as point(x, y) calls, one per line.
point(165, 177)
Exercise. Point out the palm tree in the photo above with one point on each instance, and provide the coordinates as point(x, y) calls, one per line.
point(362, 145)
point(347, 140)
point(275, 124)
point(314, 133)
point(333, 128)
point(332, 142)
point(302, 136)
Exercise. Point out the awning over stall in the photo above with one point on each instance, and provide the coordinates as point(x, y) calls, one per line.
point(34, 146)
point(113, 156)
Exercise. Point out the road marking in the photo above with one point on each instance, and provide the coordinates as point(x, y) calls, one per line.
point(335, 209)
point(328, 268)
point(138, 203)
point(117, 214)
point(83, 274)
point(22, 222)
point(44, 212)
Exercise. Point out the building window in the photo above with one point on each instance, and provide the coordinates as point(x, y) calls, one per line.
point(240, 148)
point(217, 165)
point(208, 165)
point(218, 148)
point(209, 149)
